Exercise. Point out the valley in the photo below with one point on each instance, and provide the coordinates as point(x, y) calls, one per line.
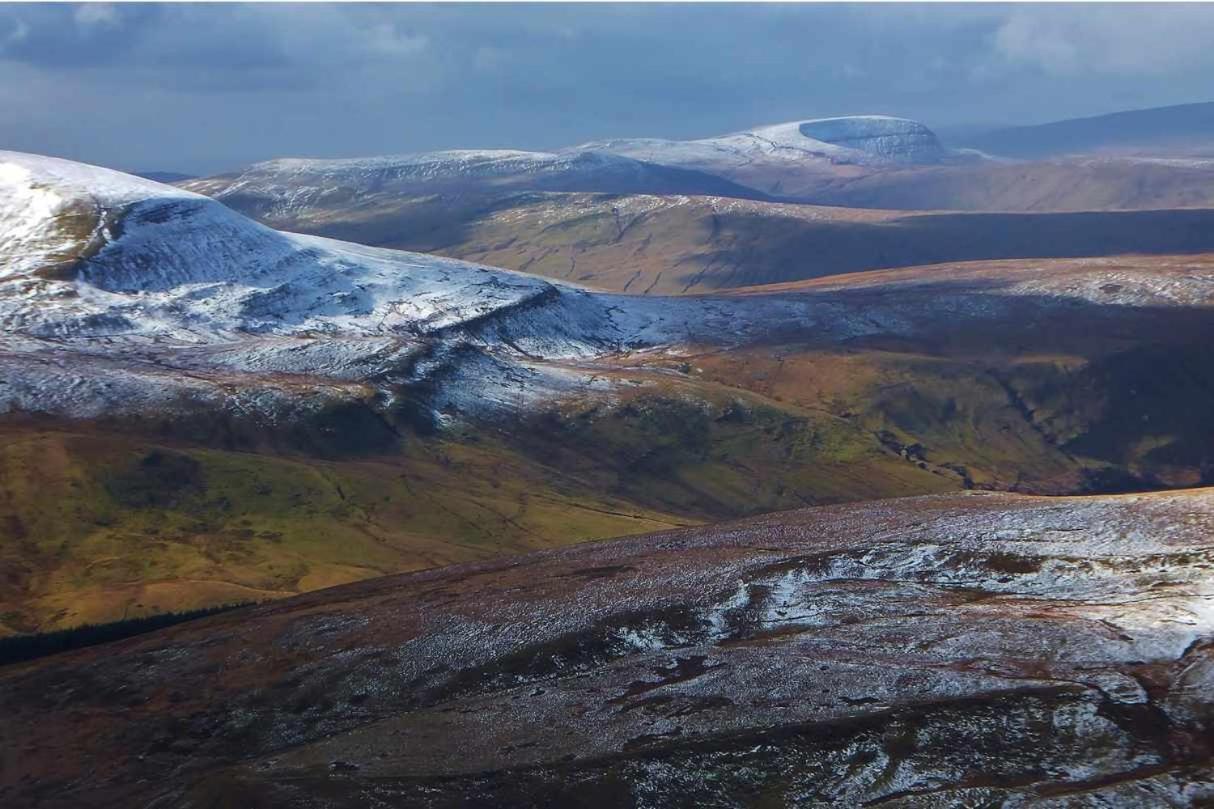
point(606, 406)
point(823, 463)
point(675, 245)
point(230, 412)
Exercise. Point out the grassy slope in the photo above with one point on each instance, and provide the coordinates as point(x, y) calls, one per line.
point(95, 527)
point(99, 525)
point(719, 450)
point(1053, 423)
point(948, 414)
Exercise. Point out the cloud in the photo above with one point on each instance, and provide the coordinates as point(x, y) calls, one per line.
point(96, 14)
point(17, 31)
point(1103, 40)
point(387, 40)
point(1024, 39)
point(202, 87)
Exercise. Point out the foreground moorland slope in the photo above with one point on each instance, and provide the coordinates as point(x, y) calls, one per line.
point(953, 651)
point(198, 409)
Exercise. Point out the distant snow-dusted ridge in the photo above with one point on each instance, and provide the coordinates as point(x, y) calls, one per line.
point(290, 191)
point(860, 140)
point(284, 188)
point(451, 163)
point(295, 184)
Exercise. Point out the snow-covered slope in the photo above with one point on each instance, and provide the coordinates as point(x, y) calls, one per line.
point(107, 280)
point(50, 209)
point(445, 165)
point(151, 260)
point(122, 295)
point(894, 139)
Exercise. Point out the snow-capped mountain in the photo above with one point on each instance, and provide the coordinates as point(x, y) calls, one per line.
point(787, 159)
point(858, 140)
point(121, 295)
point(110, 285)
point(89, 252)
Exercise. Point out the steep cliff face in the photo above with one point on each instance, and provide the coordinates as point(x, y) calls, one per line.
point(895, 139)
point(796, 158)
point(944, 652)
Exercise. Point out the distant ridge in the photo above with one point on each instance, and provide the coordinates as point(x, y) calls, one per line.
point(165, 176)
point(1176, 126)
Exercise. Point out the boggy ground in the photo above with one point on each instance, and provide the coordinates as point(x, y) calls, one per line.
point(957, 650)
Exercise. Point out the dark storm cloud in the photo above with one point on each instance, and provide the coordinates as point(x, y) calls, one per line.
point(205, 87)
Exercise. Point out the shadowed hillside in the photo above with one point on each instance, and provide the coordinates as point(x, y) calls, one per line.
point(676, 245)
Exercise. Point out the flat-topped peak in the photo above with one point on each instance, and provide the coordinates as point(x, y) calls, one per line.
point(805, 143)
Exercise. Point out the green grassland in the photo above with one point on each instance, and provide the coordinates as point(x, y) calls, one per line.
point(100, 526)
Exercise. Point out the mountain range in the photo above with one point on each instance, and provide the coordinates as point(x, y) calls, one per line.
point(909, 440)
point(909, 201)
point(166, 322)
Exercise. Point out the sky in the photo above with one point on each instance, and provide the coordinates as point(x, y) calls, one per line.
point(203, 88)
